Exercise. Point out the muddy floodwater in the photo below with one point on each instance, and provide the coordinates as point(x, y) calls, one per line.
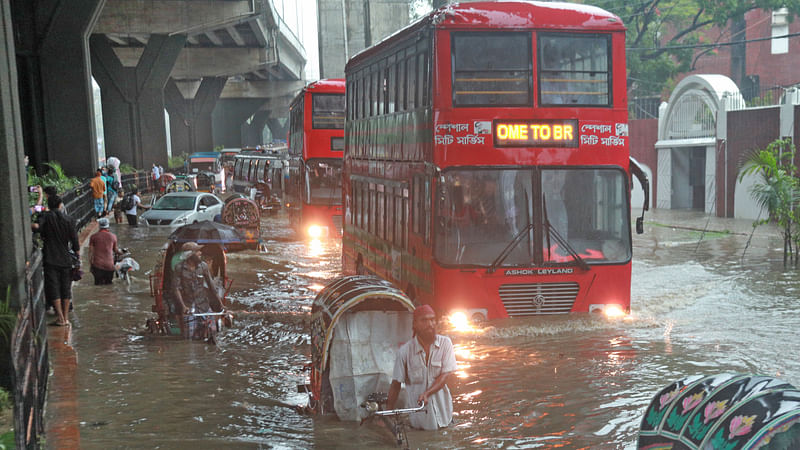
point(698, 307)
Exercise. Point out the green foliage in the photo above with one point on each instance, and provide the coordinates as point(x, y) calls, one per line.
point(657, 27)
point(127, 168)
point(55, 177)
point(777, 190)
point(8, 317)
point(218, 148)
point(7, 440)
point(176, 162)
point(6, 401)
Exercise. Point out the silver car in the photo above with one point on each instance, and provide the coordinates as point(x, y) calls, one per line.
point(180, 208)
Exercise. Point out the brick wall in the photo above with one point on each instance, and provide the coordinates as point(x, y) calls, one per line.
point(748, 130)
point(643, 137)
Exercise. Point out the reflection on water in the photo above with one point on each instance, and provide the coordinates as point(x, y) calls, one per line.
point(573, 382)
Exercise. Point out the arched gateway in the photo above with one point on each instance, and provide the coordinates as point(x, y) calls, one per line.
point(687, 141)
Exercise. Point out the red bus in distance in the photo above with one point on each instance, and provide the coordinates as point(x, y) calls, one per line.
point(316, 145)
point(487, 169)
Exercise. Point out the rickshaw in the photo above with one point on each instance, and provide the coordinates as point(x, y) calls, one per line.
point(358, 323)
point(168, 320)
point(244, 215)
point(179, 185)
point(723, 411)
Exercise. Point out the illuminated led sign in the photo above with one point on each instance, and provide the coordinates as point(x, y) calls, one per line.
point(536, 133)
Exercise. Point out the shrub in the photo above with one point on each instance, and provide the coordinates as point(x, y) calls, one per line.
point(127, 168)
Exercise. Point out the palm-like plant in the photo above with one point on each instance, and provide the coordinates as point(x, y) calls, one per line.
point(777, 190)
point(8, 317)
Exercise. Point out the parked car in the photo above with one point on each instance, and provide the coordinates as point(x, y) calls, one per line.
point(180, 208)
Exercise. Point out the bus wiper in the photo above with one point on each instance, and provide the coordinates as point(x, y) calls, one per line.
point(560, 239)
point(507, 250)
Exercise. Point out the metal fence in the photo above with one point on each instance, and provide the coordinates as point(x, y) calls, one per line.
point(749, 97)
point(29, 353)
point(79, 202)
point(30, 359)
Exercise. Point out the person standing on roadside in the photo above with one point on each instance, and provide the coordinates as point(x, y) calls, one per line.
point(131, 213)
point(102, 248)
point(98, 185)
point(60, 238)
point(111, 190)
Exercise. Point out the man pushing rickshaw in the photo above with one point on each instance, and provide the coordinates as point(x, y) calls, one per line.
point(195, 295)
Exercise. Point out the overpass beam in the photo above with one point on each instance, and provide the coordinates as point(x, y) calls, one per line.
point(228, 118)
point(190, 116)
point(277, 129)
point(133, 98)
point(252, 131)
point(55, 84)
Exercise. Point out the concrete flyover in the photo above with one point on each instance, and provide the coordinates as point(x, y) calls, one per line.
point(147, 55)
point(240, 51)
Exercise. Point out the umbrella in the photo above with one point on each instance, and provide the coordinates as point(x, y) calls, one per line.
point(207, 232)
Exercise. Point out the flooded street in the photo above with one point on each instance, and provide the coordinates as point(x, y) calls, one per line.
point(570, 382)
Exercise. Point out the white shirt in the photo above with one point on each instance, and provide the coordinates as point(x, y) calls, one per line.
point(410, 368)
point(136, 201)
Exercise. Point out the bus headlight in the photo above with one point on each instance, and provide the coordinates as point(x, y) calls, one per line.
point(316, 231)
point(610, 310)
point(465, 320)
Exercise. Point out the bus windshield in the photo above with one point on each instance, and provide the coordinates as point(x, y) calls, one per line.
point(563, 212)
point(324, 181)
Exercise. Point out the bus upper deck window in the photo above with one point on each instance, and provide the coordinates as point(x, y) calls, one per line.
point(491, 69)
point(574, 70)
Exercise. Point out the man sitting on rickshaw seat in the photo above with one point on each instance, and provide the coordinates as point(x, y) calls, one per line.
point(193, 289)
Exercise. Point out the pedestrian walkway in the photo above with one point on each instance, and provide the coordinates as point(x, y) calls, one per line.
point(62, 389)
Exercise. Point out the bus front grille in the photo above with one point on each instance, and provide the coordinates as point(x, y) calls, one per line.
point(535, 299)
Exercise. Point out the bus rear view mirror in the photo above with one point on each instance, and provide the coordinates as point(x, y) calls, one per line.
point(639, 225)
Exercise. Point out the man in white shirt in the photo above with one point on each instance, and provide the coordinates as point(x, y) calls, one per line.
point(424, 364)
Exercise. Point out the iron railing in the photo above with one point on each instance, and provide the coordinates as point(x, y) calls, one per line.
point(29, 352)
point(30, 359)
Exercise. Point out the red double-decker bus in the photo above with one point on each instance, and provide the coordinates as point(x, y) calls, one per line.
point(316, 144)
point(486, 166)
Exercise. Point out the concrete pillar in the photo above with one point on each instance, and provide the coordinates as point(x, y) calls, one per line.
point(190, 118)
point(55, 86)
point(252, 132)
point(133, 98)
point(228, 118)
point(15, 234)
point(346, 27)
point(278, 129)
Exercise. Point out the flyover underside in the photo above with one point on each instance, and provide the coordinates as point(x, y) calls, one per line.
point(190, 118)
point(133, 98)
point(52, 56)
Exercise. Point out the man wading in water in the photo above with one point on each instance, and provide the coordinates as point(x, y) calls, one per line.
point(424, 364)
point(194, 291)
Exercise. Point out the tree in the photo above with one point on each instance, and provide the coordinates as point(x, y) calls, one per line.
point(667, 37)
point(777, 191)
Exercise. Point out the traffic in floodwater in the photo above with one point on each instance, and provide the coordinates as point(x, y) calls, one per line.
point(572, 381)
